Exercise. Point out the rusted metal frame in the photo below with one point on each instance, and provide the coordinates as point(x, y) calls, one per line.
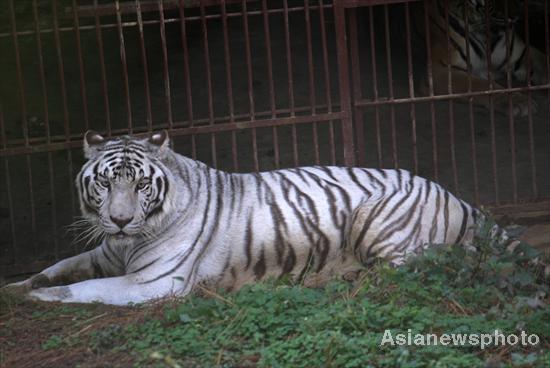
point(290, 80)
point(229, 84)
point(187, 74)
point(248, 58)
point(8, 185)
point(529, 100)
point(542, 205)
point(208, 83)
point(374, 87)
point(61, 71)
point(146, 6)
point(491, 106)
point(145, 66)
point(178, 124)
point(510, 108)
point(326, 70)
point(19, 72)
point(344, 83)
point(411, 86)
point(267, 35)
point(390, 87)
point(311, 80)
point(124, 67)
point(430, 98)
point(41, 71)
point(190, 130)
point(471, 107)
point(53, 213)
point(83, 93)
point(166, 21)
point(104, 87)
point(356, 84)
point(450, 102)
point(165, 70)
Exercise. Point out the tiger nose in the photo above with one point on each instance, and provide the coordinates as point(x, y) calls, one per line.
point(121, 222)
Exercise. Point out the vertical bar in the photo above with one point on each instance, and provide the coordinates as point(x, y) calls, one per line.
point(390, 86)
point(81, 66)
point(145, 67)
point(356, 83)
point(267, 36)
point(431, 89)
point(510, 109)
point(491, 107)
point(103, 72)
point(375, 86)
point(124, 65)
point(229, 84)
point(8, 186)
point(61, 70)
point(290, 81)
point(529, 109)
point(248, 57)
point(312, 98)
point(343, 77)
point(41, 70)
point(187, 75)
point(450, 103)
point(326, 69)
point(19, 72)
point(547, 49)
point(165, 74)
point(471, 108)
point(53, 213)
point(411, 86)
point(208, 83)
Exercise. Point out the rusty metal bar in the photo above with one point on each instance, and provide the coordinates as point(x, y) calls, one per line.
point(81, 68)
point(529, 100)
point(204, 129)
point(145, 67)
point(390, 86)
point(187, 73)
point(166, 21)
point(547, 49)
point(124, 67)
point(290, 80)
point(8, 185)
point(411, 87)
point(61, 71)
point(146, 6)
point(208, 83)
point(166, 74)
point(491, 106)
point(103, 73)
point(360, 3)
point(450, 102)
point(374, 88)
point(344, 84)
point(19, 72)
point(53, 213)
point(471, 107)
point(356, 84)
point(41, 71)
point(429, 70)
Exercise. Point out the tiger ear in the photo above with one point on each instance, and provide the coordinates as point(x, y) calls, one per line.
point(92, 140)
point(161, 140)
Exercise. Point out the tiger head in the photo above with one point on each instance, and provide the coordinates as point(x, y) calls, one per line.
point(125, 189)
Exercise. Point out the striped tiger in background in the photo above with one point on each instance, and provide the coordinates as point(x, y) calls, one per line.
point(473, 52)
point(166, 223)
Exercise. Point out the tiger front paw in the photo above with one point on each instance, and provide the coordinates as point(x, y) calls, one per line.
point(520, 104)
point(50, 294)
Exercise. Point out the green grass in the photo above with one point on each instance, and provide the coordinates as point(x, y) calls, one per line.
point(446, 290)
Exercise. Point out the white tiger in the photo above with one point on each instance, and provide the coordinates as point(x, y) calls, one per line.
point(168, 222)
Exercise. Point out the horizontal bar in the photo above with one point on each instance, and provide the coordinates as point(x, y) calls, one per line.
point(92, 27)
point(146, 6)
point(359, 3)
point(390, 101)
point(76, 140)
point(540, 206)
